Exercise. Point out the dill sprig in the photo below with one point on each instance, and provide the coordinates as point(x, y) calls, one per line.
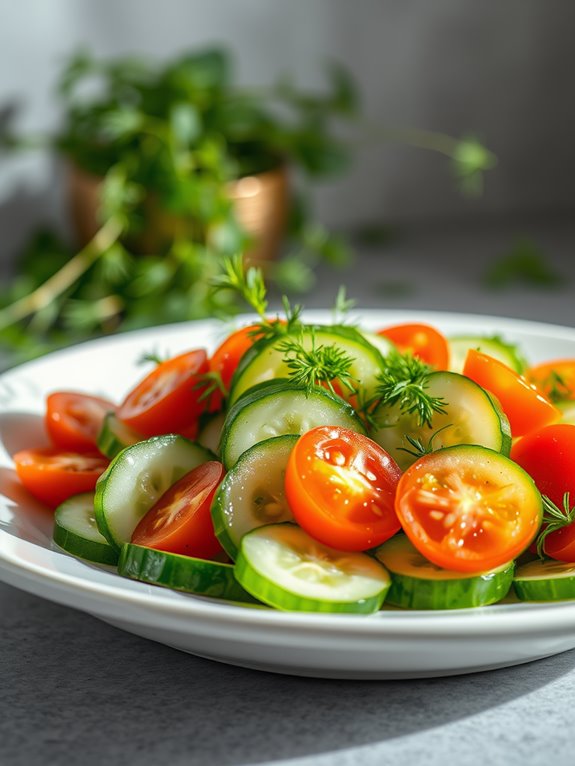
point(554, 518)
point(250, 285)
point(342, 306)
point(211, 383)
point(420, 448)
point(403, 381)
point(317, 365)
point(152, 356)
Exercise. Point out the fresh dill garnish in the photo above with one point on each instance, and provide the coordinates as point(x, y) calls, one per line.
point(152, 356)
point(211, 383)
point(419, 447)
point(342, 306)
point(554, 518)
point(403, 381)
point(317, 365)
point(250, 285)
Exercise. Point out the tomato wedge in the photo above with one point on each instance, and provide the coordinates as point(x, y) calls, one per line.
point(468, 508)
point(548, 456)
point(167, 399)
point(340, 486)
point(180, 521)
point(74, 420)
point(54, 475)
point(226, 358)
point(526, 408)
point(555, 380)
point(422, 340)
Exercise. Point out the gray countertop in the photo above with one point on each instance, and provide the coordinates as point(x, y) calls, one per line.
point(74, 690)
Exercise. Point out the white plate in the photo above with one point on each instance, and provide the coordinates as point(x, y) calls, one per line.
point(391, 644)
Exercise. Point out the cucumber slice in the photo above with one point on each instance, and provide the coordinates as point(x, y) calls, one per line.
point(284, 567)
point(508, 353)
point(278, 409)
point(183, 573)
point(416, 583)
point(252, 493)
point(265, 361)
point(137, 477)
point(75, 530)
point(116, 436)
point(472, 417)
point(381, 343)
point(545, 580)
point(211, 432)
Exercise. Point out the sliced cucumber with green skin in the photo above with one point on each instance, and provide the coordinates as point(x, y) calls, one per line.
point(416, 583)
point(137, 477)
point(545, 580)
point(211, 432)
point(278, 409)
point(252, 493)
point(183, 573)
point(284, 567)
point(381, 343)
point(75, 530)
point(116, 436)
point(265, 361)
point(508, 353)
point(471, 416)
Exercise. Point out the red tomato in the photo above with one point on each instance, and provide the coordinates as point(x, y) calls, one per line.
point(556, 380)
point(54, 475)
point(422, 340)
point(468, 509)
point(180, 521)
point(226, 358)
point(74, 420)
point(548, 456)
point(167, 399)
point(340, 486)
point(525, 407)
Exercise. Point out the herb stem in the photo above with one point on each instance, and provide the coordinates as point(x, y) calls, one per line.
point(65, 277)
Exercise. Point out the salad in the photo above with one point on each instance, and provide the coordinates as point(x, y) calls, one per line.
point(323, 468)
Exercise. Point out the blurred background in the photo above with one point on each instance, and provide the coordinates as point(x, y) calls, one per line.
point(440, 90)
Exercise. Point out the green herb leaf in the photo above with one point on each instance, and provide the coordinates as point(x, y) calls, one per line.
point(554, 518)
point(524, 263)
point(403, 381)
point(316, 365)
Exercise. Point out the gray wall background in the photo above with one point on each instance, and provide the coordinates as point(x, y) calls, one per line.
point(502, 70)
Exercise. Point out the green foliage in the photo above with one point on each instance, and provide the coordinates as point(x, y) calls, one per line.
point(170, 138)
point(524, 263)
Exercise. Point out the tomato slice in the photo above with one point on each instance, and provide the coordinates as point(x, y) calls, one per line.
point(54, 475)
point(74, 420)
point(548, 456)
point(341, 486)
point(422, 340)
point(468, 508)
point(226, 358)
point(555, 380)
point(526, 408)
point(167, 399)
point(180, 521)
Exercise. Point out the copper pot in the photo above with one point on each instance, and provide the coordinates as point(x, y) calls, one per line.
point(260, 201)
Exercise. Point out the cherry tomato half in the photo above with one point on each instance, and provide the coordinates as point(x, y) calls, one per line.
point(422, 340)
point(525, 407)
point(555, 380)
point(468, 508)
point(180, 521)
point(74, 420)
point(340, 486)
point(548, 456)
point(54, 475)
point(226, 358)
point(167, 399)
